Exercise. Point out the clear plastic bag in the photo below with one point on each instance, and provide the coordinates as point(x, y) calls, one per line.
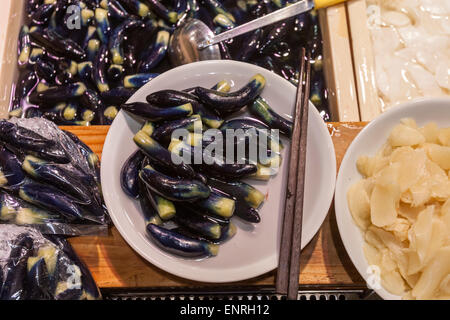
point(49, 180)
point(35, 267)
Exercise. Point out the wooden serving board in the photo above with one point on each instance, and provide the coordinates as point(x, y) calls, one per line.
point(114, 264)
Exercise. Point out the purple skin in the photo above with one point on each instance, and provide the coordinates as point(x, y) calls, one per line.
point(26, 84)
point(178, 244)
point(154, 58)
point(100, 63)
point(171, 98)
point(163, 133)
point(13, 286)
point(118, 95)
point(25, 140)
point(174, 189)
point(157, 7)
point(54, 43)
point(129, 176)
point(152, 113)
point(251, 46)
point(42, 14)
point(197, 223)
point(116, 10)
point(11, 167)
point(52, 199)
point(246, 213)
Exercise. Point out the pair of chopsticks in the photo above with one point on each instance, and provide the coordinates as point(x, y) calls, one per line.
point(289, 261)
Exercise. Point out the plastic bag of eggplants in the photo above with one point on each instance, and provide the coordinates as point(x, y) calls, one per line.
point(34, 267)
point(50, 180)
point(79, 60)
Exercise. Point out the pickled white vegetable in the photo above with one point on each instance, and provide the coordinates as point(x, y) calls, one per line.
point(411, 45)
point(403, 208)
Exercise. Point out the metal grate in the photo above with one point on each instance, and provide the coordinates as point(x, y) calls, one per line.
point(236, 294)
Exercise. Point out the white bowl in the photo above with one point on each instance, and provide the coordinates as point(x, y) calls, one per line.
point(368, 142)
point(254, 249)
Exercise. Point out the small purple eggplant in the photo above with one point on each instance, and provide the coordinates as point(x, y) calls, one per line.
point(16, 269)
point(180, 245)
point(226, 103)
point(171, 188)
point(28, 141)
point(71, 181)
point(152, 113)
point(129, 176)
point(10, 169)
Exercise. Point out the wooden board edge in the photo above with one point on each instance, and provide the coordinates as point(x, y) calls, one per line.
point(363, 60)
point(338, 64)
point(10, 23)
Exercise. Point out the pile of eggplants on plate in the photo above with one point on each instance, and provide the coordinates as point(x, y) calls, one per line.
point(37, 267)
point(79, 60)
point(49, 179)
point(187, 205)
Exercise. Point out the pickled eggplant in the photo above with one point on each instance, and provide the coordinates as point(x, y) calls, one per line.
point(50, 198)
point(164, 131)
point(217, 204)
point(135, 34)
point(228, 231)
point(24, 46)
point(166, 208)
point(69, 180)
point(153, 113)
point(11, 175)
point(56, 44)
point(227, 103)
point(170, 98)
point(214, 167)
point(16, 269)
point(198, 224)
point(117, 39)
point(15, 210)
point(138, 80)
point(240, 190)
point(154, 56)
point(148, 210)
point(173, 188)
point(180, 245)
point(26, 83)
point(31, 142)
point(38, 279)
point(163, 156)
point(130, 174)
point(261, 109)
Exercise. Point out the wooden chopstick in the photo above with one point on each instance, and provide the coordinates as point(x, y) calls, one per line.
point(282, 281)
point(294, 270)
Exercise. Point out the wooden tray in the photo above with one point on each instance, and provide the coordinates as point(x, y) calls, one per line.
point(363, 60)
point(11, 17)
point(114, 264)
point(338, 65)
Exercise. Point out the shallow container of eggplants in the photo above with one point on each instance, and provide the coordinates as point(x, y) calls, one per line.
point(343, 102)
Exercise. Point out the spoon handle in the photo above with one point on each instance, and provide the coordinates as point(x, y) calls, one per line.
point(278, 15)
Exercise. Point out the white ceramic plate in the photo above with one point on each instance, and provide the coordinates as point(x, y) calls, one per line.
point(368, 142)
point(254, 249)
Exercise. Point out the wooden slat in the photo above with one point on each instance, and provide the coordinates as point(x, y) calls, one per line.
point(338, 65)
point(114, 264)
point(11, 17)
point(363, 60)
point(93, 136)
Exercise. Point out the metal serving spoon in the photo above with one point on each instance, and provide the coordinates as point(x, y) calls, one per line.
point(194, 41)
